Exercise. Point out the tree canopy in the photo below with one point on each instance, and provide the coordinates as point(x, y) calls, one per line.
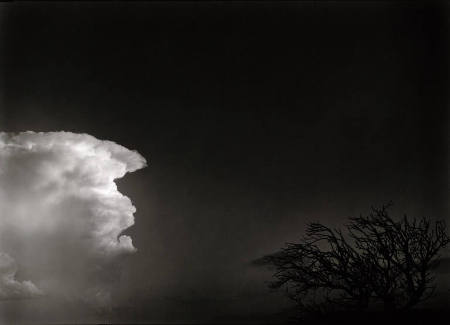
point(375, 259)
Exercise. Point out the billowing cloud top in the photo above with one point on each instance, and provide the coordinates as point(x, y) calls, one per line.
point(60, 208)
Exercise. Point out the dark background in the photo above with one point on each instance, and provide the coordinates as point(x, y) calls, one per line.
point(255, 118)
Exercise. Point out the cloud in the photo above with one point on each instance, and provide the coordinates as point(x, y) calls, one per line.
point(10, 288)
point(61, 214)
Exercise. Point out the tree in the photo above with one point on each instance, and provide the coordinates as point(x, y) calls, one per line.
point(401, 255)
point(377, 259)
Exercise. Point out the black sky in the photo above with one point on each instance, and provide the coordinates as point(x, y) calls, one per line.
point(255, 117)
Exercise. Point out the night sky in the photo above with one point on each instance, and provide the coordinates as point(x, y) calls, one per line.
point(255, 118)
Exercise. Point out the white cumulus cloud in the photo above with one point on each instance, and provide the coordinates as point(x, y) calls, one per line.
point(61, 214)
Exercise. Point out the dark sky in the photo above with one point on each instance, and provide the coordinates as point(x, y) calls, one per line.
point(255, 118)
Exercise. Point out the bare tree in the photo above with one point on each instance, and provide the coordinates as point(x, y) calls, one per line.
point(401, 255)
point(376, 259)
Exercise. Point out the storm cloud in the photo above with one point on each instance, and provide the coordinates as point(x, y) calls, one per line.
point(9, 286)
point(62, 216)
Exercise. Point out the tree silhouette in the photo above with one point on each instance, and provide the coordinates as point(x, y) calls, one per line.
point(376, 260)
